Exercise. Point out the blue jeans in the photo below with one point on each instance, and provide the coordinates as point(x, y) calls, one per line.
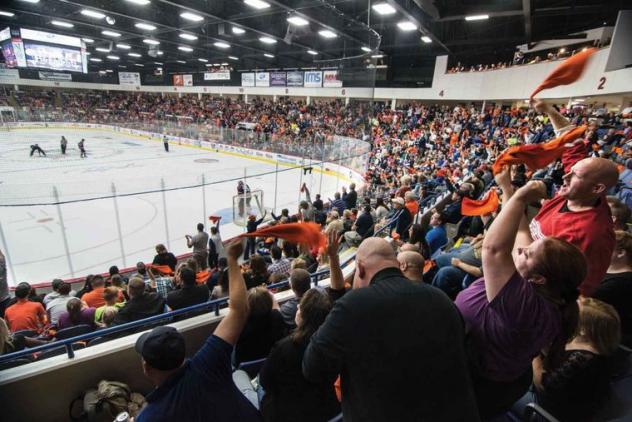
point(444, 259)
point(450, 280)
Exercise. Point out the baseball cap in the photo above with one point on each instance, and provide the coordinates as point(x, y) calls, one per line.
point(162, 348)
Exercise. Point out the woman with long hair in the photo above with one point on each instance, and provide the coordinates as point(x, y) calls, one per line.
point(258, 272)
point(288, 395)
point(77, 313)
point(525, 305)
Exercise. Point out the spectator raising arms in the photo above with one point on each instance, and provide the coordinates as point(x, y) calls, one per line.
point(525, 305)
point(207, 374)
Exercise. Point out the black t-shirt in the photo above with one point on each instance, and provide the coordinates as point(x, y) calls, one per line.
point(187, 296)
point(616, 289)
point(166, 258)
point(259, 335)
point(289, 396)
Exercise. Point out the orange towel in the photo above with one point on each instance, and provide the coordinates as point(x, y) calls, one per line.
point(566, 72)
point(484, 206)
point(165, 269)
point(537, 156)
point(202, 276)
point(304, 233)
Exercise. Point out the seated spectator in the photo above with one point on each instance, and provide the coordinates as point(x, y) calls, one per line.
point(114, 270)
point(57, 305)
point(110, 296)
point(159, 282)
point(280, 266)
point(87, 287)
point(221, 288)
point(417, 237)
point(298, 263)
point(416, 354)
point(337, 203)
point(163, 257)
point(207, 374)
point(411, 265)
point(381, 210)
point(401, 218)
point(436, 236)
point(140, 304)
point(334, 223)
point(300, 283)
point(525, 305)
point(108, 316)
point(94, 298)
point(347, 220)
point(55, 293)
point(189, 293)
point(212, 281)
point(580, 385)
point(141, 271)
point(411, 203)
point(264, 327)
point(616, 287)
point(77, 313)
point(364, 223)
point(257, 274)
point(457, 264)
point(620, 213)
point(24, 314)
point(288, 395)
point(117, 281)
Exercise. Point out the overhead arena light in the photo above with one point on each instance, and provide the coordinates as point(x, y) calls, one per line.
point(103, 50)
point(267, 40)
point(257, 4)
point(220, 44)
point(134, 55)
point(191, 17)
point(237, 30)
point(88, 53)
point(160, 53)
point(224, 64)
point(203, 60)
point(8, 14)
point(139, 65)
point(366, 49)
point(158, 63)
point(30, 1)
point(187, 49)
point(151, 42)
point(406, 26)
point(377, 56)
point(312, 52)
point(189, 37)
point(88, 40)
point(269, 55)
point(145, 26)
point(92, 14)
point(326, 33)
point(384, 8)
point(139, 2)
point(124, 46)
point(233, 58)
point(95, 59)
point(476, 17)
point(298, 21)
point(426, 39)
point(181, 61)
point(113, 57)
point(111, 34)
point(62, 24)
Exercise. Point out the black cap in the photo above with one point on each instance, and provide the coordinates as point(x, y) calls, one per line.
point(162, 348)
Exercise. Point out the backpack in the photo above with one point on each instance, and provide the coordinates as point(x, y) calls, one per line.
point(105, 402)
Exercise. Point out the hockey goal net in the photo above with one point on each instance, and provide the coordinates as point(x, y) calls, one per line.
point(248, 204)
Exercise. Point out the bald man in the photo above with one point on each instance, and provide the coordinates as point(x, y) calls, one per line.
point(412, 265)
point(579, 213)
point(398, 347)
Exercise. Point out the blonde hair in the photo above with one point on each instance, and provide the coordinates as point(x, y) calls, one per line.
point(599, 325)
point(298, 263)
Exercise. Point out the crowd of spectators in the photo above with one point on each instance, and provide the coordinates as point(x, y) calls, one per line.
point(448, 317)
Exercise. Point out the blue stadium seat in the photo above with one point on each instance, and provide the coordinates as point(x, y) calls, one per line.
point(59, 350)
point(77, 330)
point(25, 333)
point(337, 418)
point(13, 363)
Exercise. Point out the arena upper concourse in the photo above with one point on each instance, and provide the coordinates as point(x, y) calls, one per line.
point(315, 210)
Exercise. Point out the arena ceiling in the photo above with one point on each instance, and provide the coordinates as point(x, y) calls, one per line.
point(257, 34)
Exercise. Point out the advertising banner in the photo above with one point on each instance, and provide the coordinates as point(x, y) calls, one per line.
point(54, 76)
point(129, 78)
point(248, 79)
point(313, 79)
point(294, 78)
point(263, 79)
point(9, 74)
point(331, 78)
point(277, 78)
point(218, 75)
point(182, 80)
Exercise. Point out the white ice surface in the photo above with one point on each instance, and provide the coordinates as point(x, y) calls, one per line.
point(33, 235)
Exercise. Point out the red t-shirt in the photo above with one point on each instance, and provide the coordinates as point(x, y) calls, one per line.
point(25, 316)
point(591, 231)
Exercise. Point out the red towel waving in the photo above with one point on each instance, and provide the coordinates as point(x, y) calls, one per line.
point(305, 233)
point(566, 72)
point(537, 156)
point(484, 206)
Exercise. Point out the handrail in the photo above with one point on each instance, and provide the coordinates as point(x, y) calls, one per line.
point(142, 322)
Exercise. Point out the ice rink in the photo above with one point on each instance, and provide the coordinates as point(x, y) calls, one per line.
point(32, 234)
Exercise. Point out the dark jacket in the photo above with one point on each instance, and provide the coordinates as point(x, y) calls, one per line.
point(259, 335)
point(166, 258)
point(400, 350)
point(149, 304)
point(289, 396)
point(188, 296)
point(351, 199)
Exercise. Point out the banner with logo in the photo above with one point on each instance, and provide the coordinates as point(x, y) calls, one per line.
point(248, 79)
point(9, 74)
point(263, 79)
point(277, 78)
point(54, 76)
point(217, 75)
point(294, 78)
point(129, 78)
point(182, 80)
point(331, 78)
point(313, 79)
